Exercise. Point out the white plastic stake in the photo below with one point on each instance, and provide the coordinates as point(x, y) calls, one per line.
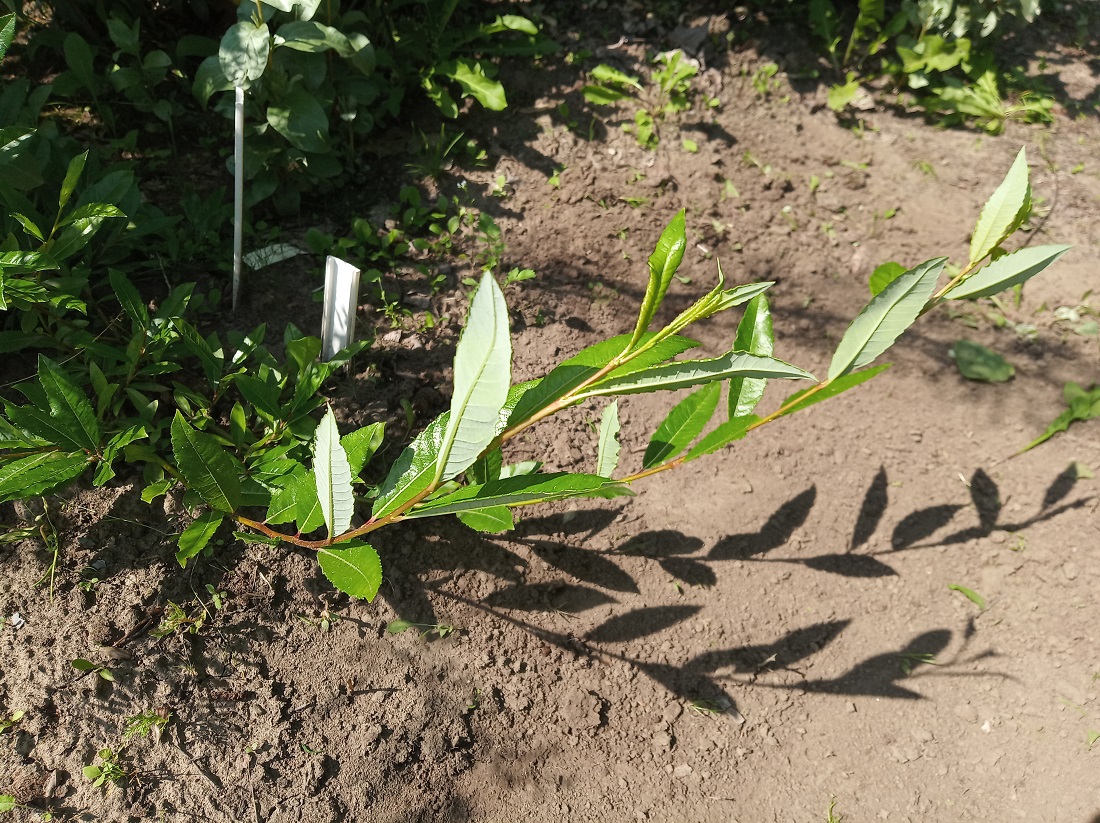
point(238, 189)
point(341, 301)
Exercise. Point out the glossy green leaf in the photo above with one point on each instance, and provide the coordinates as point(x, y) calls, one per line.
point(885, 318)
point(514, 491)
point(473, 77)
point(37, 473)
point(413, 470)
point(663, 263)
point(803, 399)
point(68, 404)
point(607, 453)
point(733, 429)
point(584, 365)
point(486, 468)
point(72, 177)
point(243, 52)
point(482, 375)
point(196, 536)
point(129, 298)
point(7, 33)
point(301, 119)
point(976, 362)
point(283, 506)
point(156, 489)
point(493, 520)
point(1007, 271)
point(884, 275)
point(353, 567)
point(1004, 212)
point(361, 444)
point(332, 474)
point(686, 373)
point(307, 506)
point(205, 466)
point(755, 336)
point(682, 425)
point(313, 37)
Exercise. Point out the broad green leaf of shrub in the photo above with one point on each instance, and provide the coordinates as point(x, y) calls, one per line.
point(724, 434)
point(885, 318)
point(607, 452)
point(803, 399)
point(301, 119)
point(7, 33)
point(663, 263)
point(39, 473)
point(682, 425)
point(361, 444)
point(78, 57)
point(205, 466)
point(1004, 212)
point(687, 373)
point(353, 567)
point(209, 79)
point(68, 405)
point(243, 52)
point(312, 37)
point(884, 275)
point(482, 374)
point(755, 336)
point(525, 489)
point(413, 470)
point(196, 536)
point(1007, 271)
point(493, 520)
point(976, 362)
point(474, 78)
point(332, 474)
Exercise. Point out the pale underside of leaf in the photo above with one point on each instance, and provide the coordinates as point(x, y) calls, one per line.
point(607, 453)
point(1001, 214)
point(1007, 271)
point(686, 373)
point(333, 476)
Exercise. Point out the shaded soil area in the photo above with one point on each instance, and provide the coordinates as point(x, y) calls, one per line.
point(750, 635)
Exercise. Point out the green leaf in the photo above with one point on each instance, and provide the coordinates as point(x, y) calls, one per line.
point(300, 118)
point(68, 405)
point(525, 489)
point(754, 335)
point(976, 362)
point(1004, 212)
point(885, 318)
point(663, 263)
point(333, 476)
point(733, 429)
point(156, 489)
point(606, 74)
point(493, 520)
point(474, 78)
point(205, 466)
point(129, 298)
point(398, 626)
point(603, 95)
point(1007, 271)
point(685, 373)
point(312, 37)
point(482, 374)
point(969, 594)
point(1082, 406)
point(78, 57)
point(803, 399)
point(307, 506)
point(72, 177)
point(361, 444)
point(413, 470)
point(571, 373)
point(682, 425)
point(197, 535)
point(7, 34)
point(243, 52)
point(607, 454)
point(7, 801)
point(38, 473)
point(884, 275)
point(353, 567)
point(283, 507)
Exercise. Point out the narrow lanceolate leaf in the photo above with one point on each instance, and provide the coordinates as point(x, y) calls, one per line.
point(38, 473)
point(1008, 271)
point(515, 491)
point(205, 466)
point(607, 455)
point(664, 261)
point(332, 474)
point(682, 425)
point(68, 405)
point(72, 177)
point(883, 320)
point(686, 373)
point(803, 399)
point(353, 567)
point(493, 520)
point(1004, 212)
point(754, 335)
point(412, 473)
point(733, 429)
point(584, 365)
point(483, 372)
point(196, 536)
point(361, 444)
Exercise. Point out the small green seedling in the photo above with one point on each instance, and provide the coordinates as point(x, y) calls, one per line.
point(910, 660)
point(976, 362)
point(970, 595)
point(80, 664)
point(108, 771)
point(1083, 405)
point(831, 815)
point(146, 723)
point(706, 708)
point(441, 630)
point(12, 721)
point(1091, 739)
point(175, 620)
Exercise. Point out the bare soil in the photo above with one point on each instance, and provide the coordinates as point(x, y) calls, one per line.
point(745, 639)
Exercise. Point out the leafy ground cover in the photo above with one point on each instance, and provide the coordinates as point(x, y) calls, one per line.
point(743, 640)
